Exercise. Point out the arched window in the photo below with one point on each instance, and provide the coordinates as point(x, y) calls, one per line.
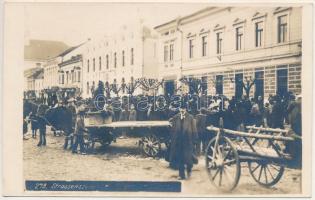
point(131, 56)
point(100, 63)
point(107, 62)
point(123, 58)
point(88, 66)
point(93, 64)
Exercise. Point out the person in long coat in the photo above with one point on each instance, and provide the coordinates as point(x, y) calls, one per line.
point(183, 137)
point(201, 125)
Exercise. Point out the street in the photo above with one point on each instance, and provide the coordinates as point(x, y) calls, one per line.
point(123, 161)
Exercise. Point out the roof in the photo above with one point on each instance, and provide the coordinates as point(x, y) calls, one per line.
point(39, 75)
point(70, 49)
point(43, 49)
point(179, 19)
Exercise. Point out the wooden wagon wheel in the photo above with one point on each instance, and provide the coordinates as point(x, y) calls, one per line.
point(264, 173)
point(151, 145)
point(223, 164)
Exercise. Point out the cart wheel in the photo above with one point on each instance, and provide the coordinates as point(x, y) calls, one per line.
point(223, 164)
point(264, 173)
point(151, 145)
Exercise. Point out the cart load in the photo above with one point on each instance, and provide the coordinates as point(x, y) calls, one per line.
point(103, 130)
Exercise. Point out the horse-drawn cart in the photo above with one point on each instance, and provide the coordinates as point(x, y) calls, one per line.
point(103, 130)
point(261, 148)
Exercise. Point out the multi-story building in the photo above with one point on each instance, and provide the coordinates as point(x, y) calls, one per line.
point(129, 54)
point(70, 68)
point(51, 73)
point(38, 83)
point(36, 54)
point(228, 45)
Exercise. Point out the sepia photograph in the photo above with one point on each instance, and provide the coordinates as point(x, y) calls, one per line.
point(175, 99)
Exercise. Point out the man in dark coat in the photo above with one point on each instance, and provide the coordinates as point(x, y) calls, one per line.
point(201, 125)
point(183, 137)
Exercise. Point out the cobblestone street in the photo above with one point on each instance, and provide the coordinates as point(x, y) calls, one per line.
point(123, 161)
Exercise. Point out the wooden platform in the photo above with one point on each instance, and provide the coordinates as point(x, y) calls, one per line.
point(132, 124)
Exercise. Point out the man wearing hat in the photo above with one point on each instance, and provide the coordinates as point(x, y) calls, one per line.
point(183, 137)
point(79, 131)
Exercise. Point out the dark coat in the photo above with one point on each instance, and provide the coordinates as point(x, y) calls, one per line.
point(201, 124)
point(295, 117)
point(183, 137)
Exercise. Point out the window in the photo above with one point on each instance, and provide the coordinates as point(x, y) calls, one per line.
point(79, 76)
point(115, 60)
point(258, 34)
point(87, 88)
point(123, 58)
point(171, 51)
point(219, 84)
point(204, 46)
point(259, 84)
point(282, 81)
point(93, 64)
point(219, 43)
point(100, 63)
point(238, 85)
point(73, 76)
point(239, 38)
point(282, 28)
point(107, 62)
point(169, 87)
point(132, 57)
point(88, 65)
point(191, 48)
point(67, 77)
point(63, 79)
point(165, 53)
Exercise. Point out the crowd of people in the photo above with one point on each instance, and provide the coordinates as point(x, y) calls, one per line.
point(188, 114)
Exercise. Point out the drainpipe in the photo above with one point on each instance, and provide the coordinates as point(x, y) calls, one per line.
point(181, 50)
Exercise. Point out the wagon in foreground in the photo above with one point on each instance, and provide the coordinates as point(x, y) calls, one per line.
point(261, 148)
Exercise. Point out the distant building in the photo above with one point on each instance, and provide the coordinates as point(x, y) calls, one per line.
point(129, 54)
point(70, 68)
point(34, 80)
point(51, 72)
point(36, 54)
point(38, 83)
point(227, 45)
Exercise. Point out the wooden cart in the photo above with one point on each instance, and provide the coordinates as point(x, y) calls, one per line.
point(103, 130)
point(261, 148)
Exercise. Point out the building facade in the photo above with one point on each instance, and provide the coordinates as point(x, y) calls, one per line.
point(126, 55)
point(39, 84)
point(229, 45)
point(70, 68)
point(51, 73)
